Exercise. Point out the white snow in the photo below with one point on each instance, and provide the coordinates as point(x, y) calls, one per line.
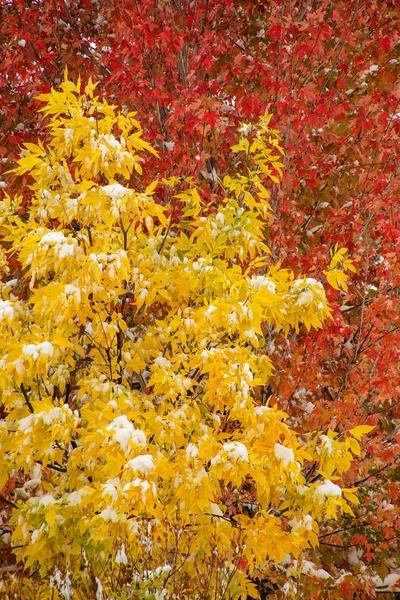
point(46, 500)
point(286, 588)
point(162, 362)
point(108, 514)
point(328, 489)
point(261, 410)
point(121, 558)
point(30, 350)
point(354, 556)
point(191, 451)
point(115, 190)
point(75, 498)
point(109, 489)
point(257, 282)
point(283, 453)
point(143, 485)
point(220, 219)
point(69, 135)
point(245, 129)
point(307, 568)
point(124, 432)
point(299, 283)
point(143, 463)
point(46, 348)
point(169, 146)
point(99, 590)
point(63, 246)
point(6, 310)
point(389, 584)
point(211, 308)
point(305, 298)
point(308, 407)
point(53, 237)
point(26, 423)
point(215, 510)
point(236, 451)
point(304, 521)
point(63, 585)
point(320, 574)
point(327, 444)
point(54, 414)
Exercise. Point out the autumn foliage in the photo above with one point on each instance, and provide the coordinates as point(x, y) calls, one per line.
point(131, 366)
point(196, 72)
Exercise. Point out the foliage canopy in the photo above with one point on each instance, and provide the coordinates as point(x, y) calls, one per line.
point(133, 367)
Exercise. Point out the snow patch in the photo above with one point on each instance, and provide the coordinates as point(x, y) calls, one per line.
point(124, 432)
point(284, 454)
point(328, 489)
point(143, 463)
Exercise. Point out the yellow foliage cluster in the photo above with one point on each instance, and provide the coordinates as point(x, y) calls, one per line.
point(131, 364)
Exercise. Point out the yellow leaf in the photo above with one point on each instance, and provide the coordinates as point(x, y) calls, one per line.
point(361, 430)
point(337, 279)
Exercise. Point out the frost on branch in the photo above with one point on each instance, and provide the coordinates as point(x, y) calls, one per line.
point(132, 359)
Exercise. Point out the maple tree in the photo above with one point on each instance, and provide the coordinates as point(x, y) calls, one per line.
point(194, 71)
point(185, 484)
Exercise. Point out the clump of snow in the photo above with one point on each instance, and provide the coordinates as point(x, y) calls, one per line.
point(63, 585)
point(245, 129)
point(308, 568)
point(219, 217)
point(236, 451)
point(99, 590)
point(328, 489)
point(261, 410)
point(143, 463)
point(191, 451)
point(116, 190)
point(46, 348)
point(109, 489)
point(63, 246)
point(354, 556)
point(120, 557)
point(54, 414)
point(6, 310)
point(26, 423)
point(304, 521)
point(305, 295)
point(35, 350)
point(320, 574)
point(283, 453)
point(210, 309)
point(169, 146)
point(215, 510)
point(75, 498)
point(305, 298)
point(389, 584)
point(299, 283)
point(108, 514)
point(53, 237)
point(162, 362)
point(257, 282)
point(46, 500)
point(143, 485)
point(308, 407)
point(124, 432)
point(69, 135)
point(326, 444)
point(286, 588)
